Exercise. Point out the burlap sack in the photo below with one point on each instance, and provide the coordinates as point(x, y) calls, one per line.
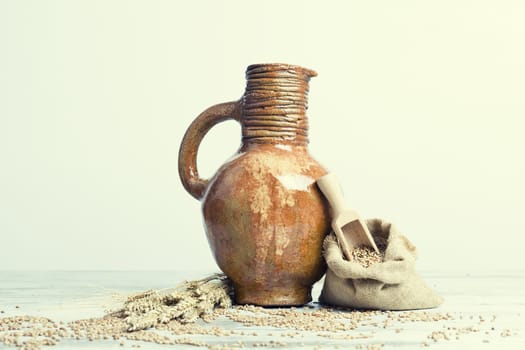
point(390, 285)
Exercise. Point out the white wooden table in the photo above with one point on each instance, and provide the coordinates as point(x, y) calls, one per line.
point(491, 303)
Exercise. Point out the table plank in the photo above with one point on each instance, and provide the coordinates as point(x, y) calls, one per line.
point(492, 304)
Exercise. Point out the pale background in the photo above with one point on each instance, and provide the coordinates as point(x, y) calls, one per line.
point(418, 107)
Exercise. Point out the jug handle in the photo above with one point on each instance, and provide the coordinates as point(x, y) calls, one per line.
point(189, 175)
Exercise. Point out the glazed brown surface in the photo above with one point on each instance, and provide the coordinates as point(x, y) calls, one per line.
point(265, 219)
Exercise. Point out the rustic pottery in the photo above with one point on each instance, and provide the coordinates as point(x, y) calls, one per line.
point(265, 219)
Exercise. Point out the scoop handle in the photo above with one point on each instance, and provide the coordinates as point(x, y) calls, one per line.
point(331, 189)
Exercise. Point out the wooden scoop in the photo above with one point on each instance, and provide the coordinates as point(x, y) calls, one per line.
point(350, 230)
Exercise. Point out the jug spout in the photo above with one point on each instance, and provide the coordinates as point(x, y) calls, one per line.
point(275, 67)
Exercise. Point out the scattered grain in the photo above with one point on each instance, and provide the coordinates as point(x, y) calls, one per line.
point(375, 346)
point(506, 333)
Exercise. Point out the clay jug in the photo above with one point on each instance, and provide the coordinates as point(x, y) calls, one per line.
point(264, 217)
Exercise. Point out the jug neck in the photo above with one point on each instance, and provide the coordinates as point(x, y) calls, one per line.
point(274, 104)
